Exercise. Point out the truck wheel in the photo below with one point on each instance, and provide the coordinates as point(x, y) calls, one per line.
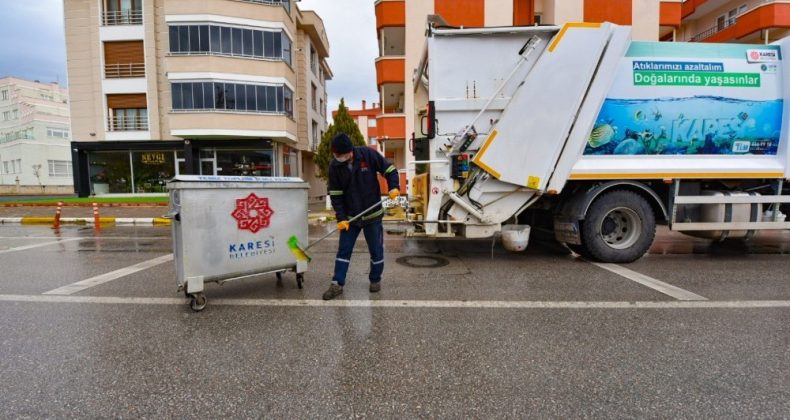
point(619, 227)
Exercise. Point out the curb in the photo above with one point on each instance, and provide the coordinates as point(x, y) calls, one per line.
point(49, 220)
point(84, 204)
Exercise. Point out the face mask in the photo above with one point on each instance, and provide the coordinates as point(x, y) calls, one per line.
point(343, 158)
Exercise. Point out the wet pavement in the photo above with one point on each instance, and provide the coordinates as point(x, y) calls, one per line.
point(460, 329)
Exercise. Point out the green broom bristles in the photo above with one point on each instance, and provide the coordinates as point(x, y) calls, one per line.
point(299, 253)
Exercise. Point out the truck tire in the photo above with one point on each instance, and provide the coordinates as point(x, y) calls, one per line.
point(619, 227)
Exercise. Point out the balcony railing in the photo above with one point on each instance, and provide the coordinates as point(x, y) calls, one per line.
point(122, 71)
point(284, 3)
point(139, 123)
point(714, 30)
point(122, 17)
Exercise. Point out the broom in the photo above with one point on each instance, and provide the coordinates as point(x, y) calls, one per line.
point(301, 252)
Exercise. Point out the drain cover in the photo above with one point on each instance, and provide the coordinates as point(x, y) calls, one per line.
point(422, 261)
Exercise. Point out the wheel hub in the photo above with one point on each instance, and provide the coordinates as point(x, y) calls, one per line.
point(620, 228)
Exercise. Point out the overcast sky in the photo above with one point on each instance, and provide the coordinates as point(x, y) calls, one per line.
point(33, 44)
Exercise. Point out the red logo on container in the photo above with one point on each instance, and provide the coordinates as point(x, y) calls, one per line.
point(252, 213)
point(755, 55)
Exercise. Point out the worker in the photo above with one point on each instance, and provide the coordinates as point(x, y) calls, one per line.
point(353, 188)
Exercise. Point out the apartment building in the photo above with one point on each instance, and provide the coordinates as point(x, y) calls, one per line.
point(400, 26)
point(742, 21)
point(161, 88)
point(34, 138)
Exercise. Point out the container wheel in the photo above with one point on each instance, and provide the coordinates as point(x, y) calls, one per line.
point(619, 227)
point(279, 275)
point(299, 280)
point(198, 302)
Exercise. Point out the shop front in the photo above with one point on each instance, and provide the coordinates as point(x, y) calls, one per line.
point(145, 167)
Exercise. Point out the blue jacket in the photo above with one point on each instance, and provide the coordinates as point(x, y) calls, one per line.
point(354, 186)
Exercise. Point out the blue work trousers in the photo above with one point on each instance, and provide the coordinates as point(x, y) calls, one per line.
point(374, 236)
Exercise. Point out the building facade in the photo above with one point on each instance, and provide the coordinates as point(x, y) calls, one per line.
point(401, 24)
point(34, 138)
point(161, 88)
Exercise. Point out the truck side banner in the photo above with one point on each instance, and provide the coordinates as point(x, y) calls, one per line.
point(692, 99)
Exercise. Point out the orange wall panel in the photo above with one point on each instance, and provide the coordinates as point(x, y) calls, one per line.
point(690, 6)
point(615, 11)
point(391, 127)
point(670, 14)
point(467, 13)
point(390, 14)
point(390, 70)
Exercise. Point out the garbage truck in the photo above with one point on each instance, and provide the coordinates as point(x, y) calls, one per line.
point(581, 131)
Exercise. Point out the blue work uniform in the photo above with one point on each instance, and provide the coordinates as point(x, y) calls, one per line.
point(354, 187)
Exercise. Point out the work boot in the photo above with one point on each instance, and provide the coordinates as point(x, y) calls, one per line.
point(334, 291)
point(375, 287)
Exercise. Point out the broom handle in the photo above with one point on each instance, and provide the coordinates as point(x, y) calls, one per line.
point(349, 221)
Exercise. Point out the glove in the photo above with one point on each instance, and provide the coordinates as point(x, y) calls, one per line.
point(394, 193)
point(343, 225)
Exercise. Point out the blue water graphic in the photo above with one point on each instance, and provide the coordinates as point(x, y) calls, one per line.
point(700, 125)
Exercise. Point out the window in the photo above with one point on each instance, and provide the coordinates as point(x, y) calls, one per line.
point(5, 167)
point(59, 168)
point(129, 119)
point(742, 9)
point(189, 96)
point(313, 95)
point(371, 123)
point(731, 17)
point(6, 115)
point(289, 161)
point(57, 133)
point(5, 95)
point(222, 40)
point(16, 114)
point(316, 139)
point(321, 107)
point(313, 61)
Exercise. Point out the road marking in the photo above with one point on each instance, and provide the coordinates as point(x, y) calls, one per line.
point(650, 282)
point(438, 304)
point(25, 247)
point(113, 275)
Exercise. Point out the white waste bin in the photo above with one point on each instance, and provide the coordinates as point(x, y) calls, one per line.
point(231, 227)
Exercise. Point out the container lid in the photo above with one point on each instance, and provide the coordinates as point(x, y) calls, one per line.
point(222, 178)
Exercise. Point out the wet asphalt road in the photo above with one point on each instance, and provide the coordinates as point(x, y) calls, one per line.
point(539, 334)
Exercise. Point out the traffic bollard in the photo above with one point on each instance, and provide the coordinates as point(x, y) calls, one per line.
point(96, 222)
point(56, 224)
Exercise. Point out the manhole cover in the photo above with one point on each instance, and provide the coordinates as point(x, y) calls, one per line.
point(422, 261)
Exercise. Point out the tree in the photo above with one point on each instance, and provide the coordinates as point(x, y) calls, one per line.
point(344, 123)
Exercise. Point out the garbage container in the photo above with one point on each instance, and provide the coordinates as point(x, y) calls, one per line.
point(231, 227)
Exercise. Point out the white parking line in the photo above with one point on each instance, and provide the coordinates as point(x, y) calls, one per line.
point(650, 282)
point(113, 275)
point(438, 304)
point(25, 247)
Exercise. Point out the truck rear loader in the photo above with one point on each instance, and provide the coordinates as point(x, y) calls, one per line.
point(581, 131)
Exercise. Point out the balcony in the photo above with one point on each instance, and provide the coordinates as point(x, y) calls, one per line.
point(124, 71)
point(284, 3)
point(390, 13)
point(689, 7)
point(122, 17)
point(138, 123)
point(766, 16)
point(670, 14)
point(391, 126)
point(390, 70)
